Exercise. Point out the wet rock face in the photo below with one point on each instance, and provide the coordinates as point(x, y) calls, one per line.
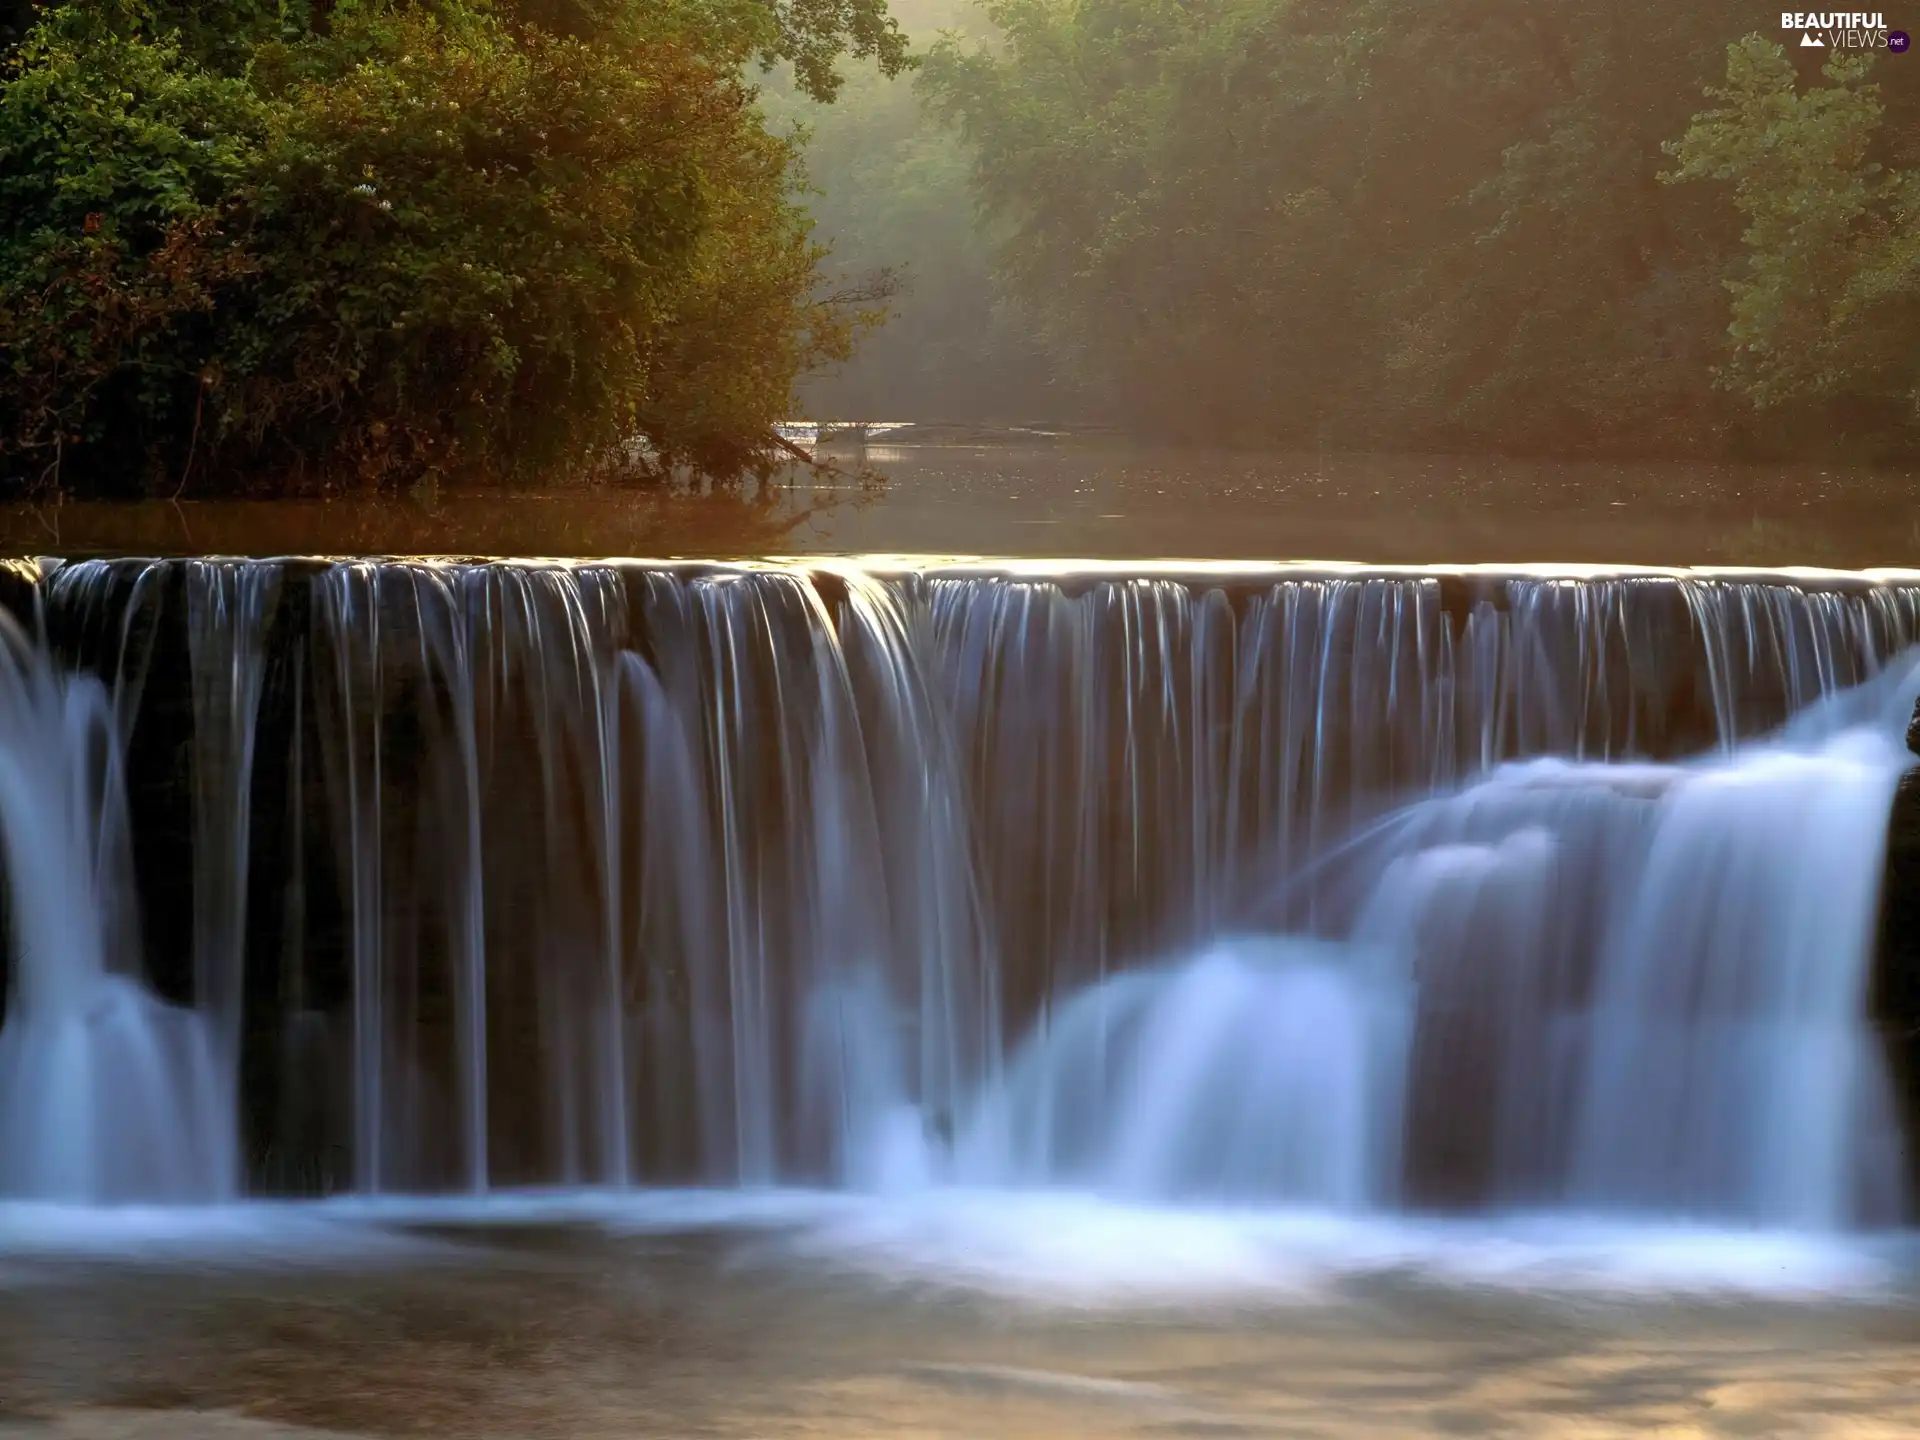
point(1896, 998)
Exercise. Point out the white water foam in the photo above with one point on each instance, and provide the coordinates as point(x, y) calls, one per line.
point(1047, 1249)
point(1085, 1251)
point(1632, 990)
point(1063, 1248)
point(106, 1094)
point(38, 1237)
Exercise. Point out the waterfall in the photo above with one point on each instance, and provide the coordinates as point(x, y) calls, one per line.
point(1262, 1071)
point(1617, 988)
point(227, 609)
point(106, 1094)
point(1258, 885)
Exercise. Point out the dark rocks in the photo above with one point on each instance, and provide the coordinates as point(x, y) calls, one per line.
point(1896, 985)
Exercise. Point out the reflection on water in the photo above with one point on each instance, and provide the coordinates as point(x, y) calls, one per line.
point(596, 520)
point(779, 1316)
point(1091, 500)
point(1088, 498)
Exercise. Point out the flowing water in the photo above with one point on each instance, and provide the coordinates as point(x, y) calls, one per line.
point(992, 999)
point(106, 1095)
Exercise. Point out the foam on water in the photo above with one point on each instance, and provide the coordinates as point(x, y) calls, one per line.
point(1059, 1248)
point(1040, 1247)
point(1029, 1247)
point(35, 1235)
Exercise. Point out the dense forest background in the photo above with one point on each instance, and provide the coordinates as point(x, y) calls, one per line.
point(294, 243)
point(1482, 224)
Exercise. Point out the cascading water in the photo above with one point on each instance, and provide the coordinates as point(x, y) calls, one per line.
point(1623, 988)
point(617, 873)
point(1261, 1072)
point(106, 1094)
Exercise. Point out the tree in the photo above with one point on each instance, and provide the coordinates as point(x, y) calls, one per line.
point(1378, 223)
point(1561, 299)
point(253, 246)
point(1826, 304)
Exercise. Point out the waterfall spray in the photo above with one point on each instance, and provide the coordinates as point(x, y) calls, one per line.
point(106, 1094)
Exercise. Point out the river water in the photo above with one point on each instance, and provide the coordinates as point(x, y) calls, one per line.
point(1088, 498)
point(963, 1316)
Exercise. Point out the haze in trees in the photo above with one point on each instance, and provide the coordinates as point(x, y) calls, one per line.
point(1382, 223)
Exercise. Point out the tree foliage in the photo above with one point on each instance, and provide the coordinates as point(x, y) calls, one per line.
point(1390, 222)
point(1826, 306)
point(251, 244)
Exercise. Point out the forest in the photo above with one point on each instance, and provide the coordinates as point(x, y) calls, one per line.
point(260, 245)
point(281, 246)
point(1482, 225)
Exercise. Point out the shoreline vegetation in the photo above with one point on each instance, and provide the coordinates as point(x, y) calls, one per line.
point(311, 247)
point(1485, 225)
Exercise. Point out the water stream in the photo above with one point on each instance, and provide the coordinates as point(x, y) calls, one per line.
point(1358, 893)
point(106, 1094)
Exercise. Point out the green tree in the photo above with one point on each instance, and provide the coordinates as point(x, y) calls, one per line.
point(1826, 303)
point(1557, 297)
point(364, 243)
point(1370, 222)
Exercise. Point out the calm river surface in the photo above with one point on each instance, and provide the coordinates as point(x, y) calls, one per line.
point(1093, 499)
point(956, 1315)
